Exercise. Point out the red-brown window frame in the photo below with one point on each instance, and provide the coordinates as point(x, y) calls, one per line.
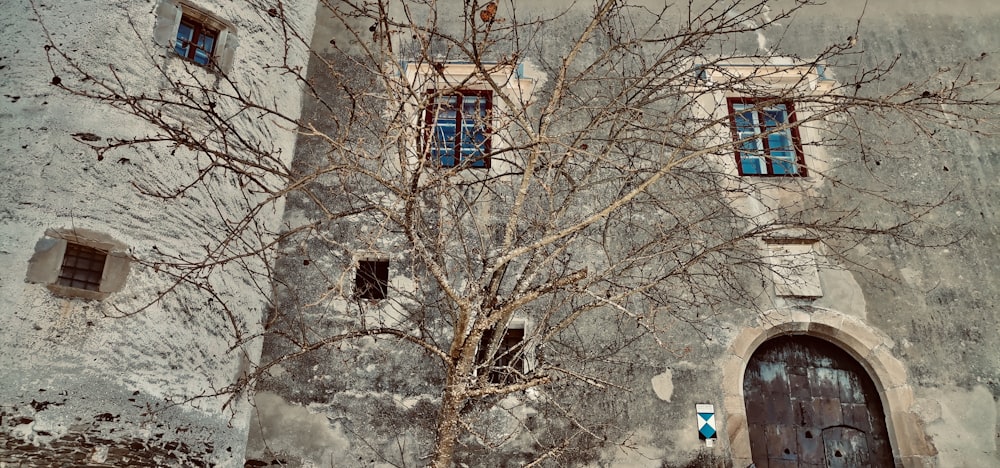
point(199, 28)
point(760, 104)
point(430, 122)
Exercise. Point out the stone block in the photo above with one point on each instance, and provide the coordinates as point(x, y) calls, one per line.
point(739, 439)
point(825, 323)
point(747, 341)
point(899, 399)
point(910, 438)
point(732, 376)
point(733, 406)
point(889, 371)
point(786, 319)
point(794, 322)
point(860, 338)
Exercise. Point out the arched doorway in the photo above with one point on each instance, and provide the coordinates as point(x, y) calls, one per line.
point(809, 403)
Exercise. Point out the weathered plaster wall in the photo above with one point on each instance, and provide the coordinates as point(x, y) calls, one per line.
point(929, 309)
point(935, 302)
point(87, 382)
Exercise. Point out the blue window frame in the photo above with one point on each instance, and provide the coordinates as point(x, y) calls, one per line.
point(195, 41)
point(763, 147)
point(457, 128)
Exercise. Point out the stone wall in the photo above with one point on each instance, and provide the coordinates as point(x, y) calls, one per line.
point(87, 381)
point(104, 378)
point(915, 316)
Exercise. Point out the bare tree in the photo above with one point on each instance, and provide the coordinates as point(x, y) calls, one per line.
point(609, 192)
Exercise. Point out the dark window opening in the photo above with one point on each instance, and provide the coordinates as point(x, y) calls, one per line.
point(195, 40)
point(767, 140)
point(82, 267)
point(457, 129)
point(372, 280)
point(508, 362)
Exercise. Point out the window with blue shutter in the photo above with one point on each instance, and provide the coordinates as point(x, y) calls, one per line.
point(195, 41)
point(767, 141)
point(195, 35)
point(457, 128)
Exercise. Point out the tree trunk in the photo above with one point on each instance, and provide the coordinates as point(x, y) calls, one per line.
point(448, 422)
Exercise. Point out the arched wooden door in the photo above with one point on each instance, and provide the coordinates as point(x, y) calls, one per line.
point(810, 404)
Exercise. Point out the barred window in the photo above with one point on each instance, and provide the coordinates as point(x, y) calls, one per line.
point(82, 267)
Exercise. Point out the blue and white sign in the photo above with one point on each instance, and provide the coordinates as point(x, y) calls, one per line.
point(706, 422)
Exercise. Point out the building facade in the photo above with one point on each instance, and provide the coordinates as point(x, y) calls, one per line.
point(842, 346)
point(727, 234)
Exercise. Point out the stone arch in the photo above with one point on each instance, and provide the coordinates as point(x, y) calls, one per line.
point(868, 346)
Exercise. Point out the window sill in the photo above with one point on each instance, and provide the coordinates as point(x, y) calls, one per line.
point(76, 293)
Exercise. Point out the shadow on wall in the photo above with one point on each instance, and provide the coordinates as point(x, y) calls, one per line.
point(279, 429)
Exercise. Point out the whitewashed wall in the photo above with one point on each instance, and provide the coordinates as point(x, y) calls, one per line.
point(70, 367)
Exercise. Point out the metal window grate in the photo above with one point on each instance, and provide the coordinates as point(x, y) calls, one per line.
point(82, 267)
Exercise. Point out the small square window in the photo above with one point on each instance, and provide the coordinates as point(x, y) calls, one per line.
point(195, 40)
point(82, 267)
point(371, 281)
point(79, 263)
point(763, 147)
point(195, 34)
point(509, 361)
point(457, 130)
